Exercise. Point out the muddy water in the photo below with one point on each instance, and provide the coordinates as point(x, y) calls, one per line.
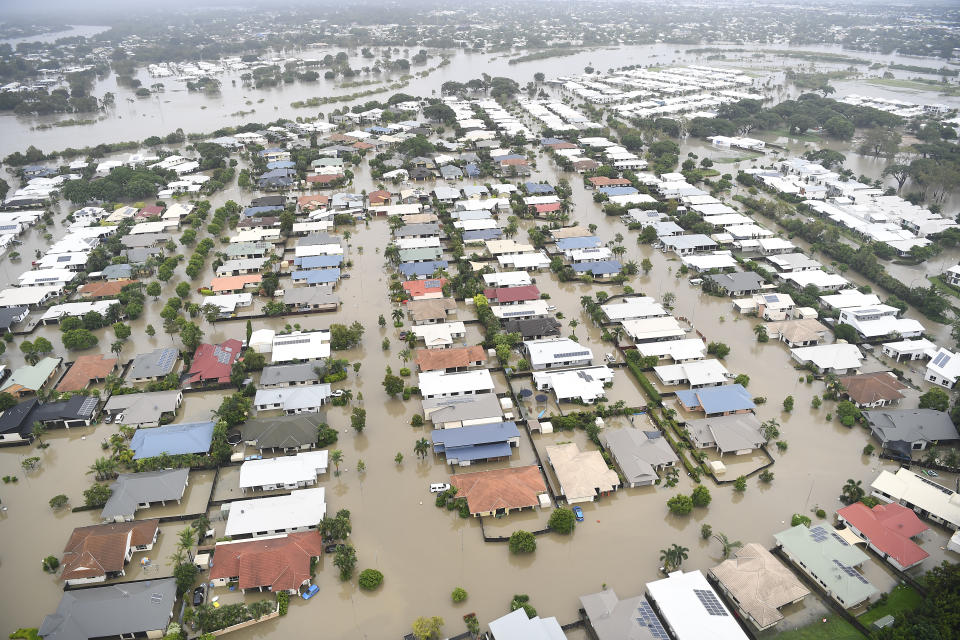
point(425, 552)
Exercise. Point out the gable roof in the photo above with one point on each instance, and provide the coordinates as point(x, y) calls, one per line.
point(215, 361)
point(434, 359)
point(278, 562)
point(285, 373)
point(31, 377)
point(638, 453)
point(132, 489)
point(282, 432)
point(104, 289)
point(173, 439)
point(889, 528)
point(144, 408)
point(505, 295)
point(831, 558)
point(156, 364)
point(99, 549)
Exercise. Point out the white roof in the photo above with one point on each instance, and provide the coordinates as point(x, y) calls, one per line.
point(945, 364)
point(850, 298)
point(683, 600)
point(19, 296)
point(440, 333)
point(830, 356)
point(229, 302)
point(524, 260)
point(434, 383)
point(585, 384)
point(653, 328)
point(819, 279)
point(907, 487)
point(549, 350)
point(710, 261)
point(683, 349)
point(298, 398)
point(301, 345)
point(302, 467)
point(912, 346)
point(696, 372)
point(59, 311)
point(523, 310)
point(153, 227)
point(45, 277)
point(516, 626)
point(301, 509)
point(507, 279)
point(633, 308)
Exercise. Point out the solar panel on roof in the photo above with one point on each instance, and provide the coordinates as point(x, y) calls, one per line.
point(941, 357)
point(710, 602)
point(850, 571)
point(88, 406)
point(840, 540)
point(650, 620)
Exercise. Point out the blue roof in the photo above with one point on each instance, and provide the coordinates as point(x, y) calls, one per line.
point(174, 439)
point(546, 141)
point(318, 262)
point(478, 452)
point(472, 170)
point(281, 164)
point(316, 276)
point(278, 173)
point(617, 191)
point(537, 187)
point(253, 212)
point(585, 242)
point(482, 234)
point(476, 442)
point(724, 399)
point(597, 267)
point(421, 268)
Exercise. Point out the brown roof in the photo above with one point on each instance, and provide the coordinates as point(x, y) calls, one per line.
point(104, 289)
point(512, 488)
point(378, 197)
point(233, 283)
point(438, 359)
point(324, 178)
point(868, 388)
point(514, 162)
point(431, 308)
point(312, 202)
point(603, 181)
point(86, 368)
point(575, 231)
point(278, 563)
point(102, 548)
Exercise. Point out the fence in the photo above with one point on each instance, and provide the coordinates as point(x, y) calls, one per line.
point(248, 623)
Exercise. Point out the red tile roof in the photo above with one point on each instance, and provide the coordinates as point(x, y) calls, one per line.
point(889, 528)
point(420, 288)
point(441, 359)
point(104, 289)
point(279, 563)
point(234, 283)
point(95, 551)
point(515, 162)
point(309, 203)
point(324, 178)
point(561, 145)
point(513, 294)
point(215, 361)
point(868, 388)
point(360, 145)
point(512, 488)
point(152, 210)
point(603, 181)
point(547, 208)
point(379, 197)
point(84, 369)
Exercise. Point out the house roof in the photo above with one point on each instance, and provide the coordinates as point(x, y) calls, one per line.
point(831, 558)
point(431, 308)
point(615, 619)
point(911, 425)
point(316, 295)
point(31, 377)
point(155, 364)
point(638, 453)
point(132, 489)
point(551, 350)
point(428, 268)
point(144, 408)
point(278, 562)
point(301, 508)
point(530, 327)
point(286, 373)
point(889, 528)
point(692, 608)
point(104, 289)
point(419, 288)
point(506, 295)
point(722, 399)
point(173, 439)
point(232, 283)
point(581, 473)
point(597, 267)
point(737, 282)
point(731, 433)
point(517, 626)
point(284, 470)
point(918, 491)
point(759, 583)
point(113, 610)
point(10, 315)
point(282, 432)
point(14, 419)
point(215, 361)
point(512, 488)
point(101, 548)
point(435, 359)
point(483, 407)
point(475, 442)
point(294, 398)
point(868, 388)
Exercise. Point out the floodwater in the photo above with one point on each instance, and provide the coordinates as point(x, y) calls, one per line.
point(425, 552)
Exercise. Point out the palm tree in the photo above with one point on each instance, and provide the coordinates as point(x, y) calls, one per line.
point(727, 545)
point(104, 468)
point(397, 315)
point(668, 299)
point(185, 538)
point(585, 301)
point(852, 491)
point(679, 555)
point(616, 332)
point(771, 429)
point(573, 327)
point(404, 355)
point(37, 431)
point(336, 457)
point(421, 447)
point(761, 331)
point(117, 347)
point(177, 557)
point(618, 250)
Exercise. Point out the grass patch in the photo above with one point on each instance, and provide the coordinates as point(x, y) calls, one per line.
point(835, 628)
point(901, 599)
point(809, 137)
point(898, 83)
point(942, 286)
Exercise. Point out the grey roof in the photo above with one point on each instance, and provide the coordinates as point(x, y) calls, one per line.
point(117, 271)
point(310, 295)
point(237, 264)
point(9, 315)
point(113, 610)
point(131, 489)
point(737, 282)
point(638, 453)
point(143, 408)
point(247, 248)
point(530, 327)
point(459, 408)
point(139, 255)
point(911, 425)
point(318, 238)
point(616, 619)
point(419, 229)
point(730, 433)
point(155, 364)
point(282, 432)
point(286, 373)
point(689, 242)
point(145, 239)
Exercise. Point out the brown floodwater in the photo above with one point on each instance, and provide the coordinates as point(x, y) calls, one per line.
point(425, 552)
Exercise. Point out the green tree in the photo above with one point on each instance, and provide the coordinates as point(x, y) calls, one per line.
point(191, 335)
point(358, 419)
point(740, 484)
point(392, 384)
point(459, 594)
point(121, 331)
point(183, 290)
point(726, 545)
point(336, 457)
point(97, 495)
point(562, 520)
point(185, 574)
point(421, 447)
point(345, 560)
point(79, 339)
point(427, 628)
point(700, 496)
point(38, 430)
point(398, 458)
point(153, 289)
point(936, 398)
point(788, 404)
point(370, 579)
point(59, 501)
point(761, 332)
point(522, 542)
point(673, 556)
point(852, 491)
point(680, 504)
point(646, 265)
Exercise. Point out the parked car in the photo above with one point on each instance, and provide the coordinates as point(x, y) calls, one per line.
point(107, 419)
point(119, 418)
point(199, 595)
point(336, 393)
point(333, 548)
point(931, 473)
point(578, 512)
point(439, 487)
point(551, 307)
point(344, 275)
point(309, 593)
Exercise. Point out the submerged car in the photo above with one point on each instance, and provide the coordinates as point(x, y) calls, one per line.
point(199, 595)
point(578, 513)
point(439, 487)
point(309, 593)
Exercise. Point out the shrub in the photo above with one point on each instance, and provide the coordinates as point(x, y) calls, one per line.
point(766, 476)
point(59, 501)
point(370, 579)
point(740, 484)
point(680, 504)
point(788, 404)
point(416, 420)
point(459, 594)
point(821, 514)
point(186, 575)
point(706, 531)
point(867, 450)
point(522, 542)
point(50, 564)
point(700, 496)
point(97, 495)
point(799, 519)
point(562, 520)
point(283, 602)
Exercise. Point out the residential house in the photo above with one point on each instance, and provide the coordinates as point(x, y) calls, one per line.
point(424, 289)
point(575, 385)
point(236, 284)
point(172, 439)
point(889, 530)
point(823, 554)
point(880, 320)
point(101, 551)
point(76, 411)
point(285, 472)
point(739, 283)
point(284, 433)
point(291, 400)
point(943, 368)
point(533, 328)
point(697, 374)
point(609, 618)
point(86, 369)
point(214, 362)
point(512, 295)
point(838, 358)
point(927, 498)
point(640, 455)
point(133, 609)
point(870, 390)
point(290, 375)
point(716, 401)
point(300, 510)
point(144, 409)
point(681, 350)
point(476, 443)
point(758, 585)
point(311, 298)
point(29, 379)
point(516, 625)
point(803, 332)
point(737, 434)
point(691, 609)
point(277, 564)
point(431, 310)
point(534, 309)
point(583, 475)
point(440, 384)
point(499, 491)
point(449, 360)
point(901, 431)
point(909, 349)
point(462, 411)
point(549, 353)
point(10, 316)
point(301, 346)
point(633, 308)
point(131, 492)
point(653, 329)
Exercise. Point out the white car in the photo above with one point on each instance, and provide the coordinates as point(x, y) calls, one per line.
point(439, 487)
point(336, 393)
